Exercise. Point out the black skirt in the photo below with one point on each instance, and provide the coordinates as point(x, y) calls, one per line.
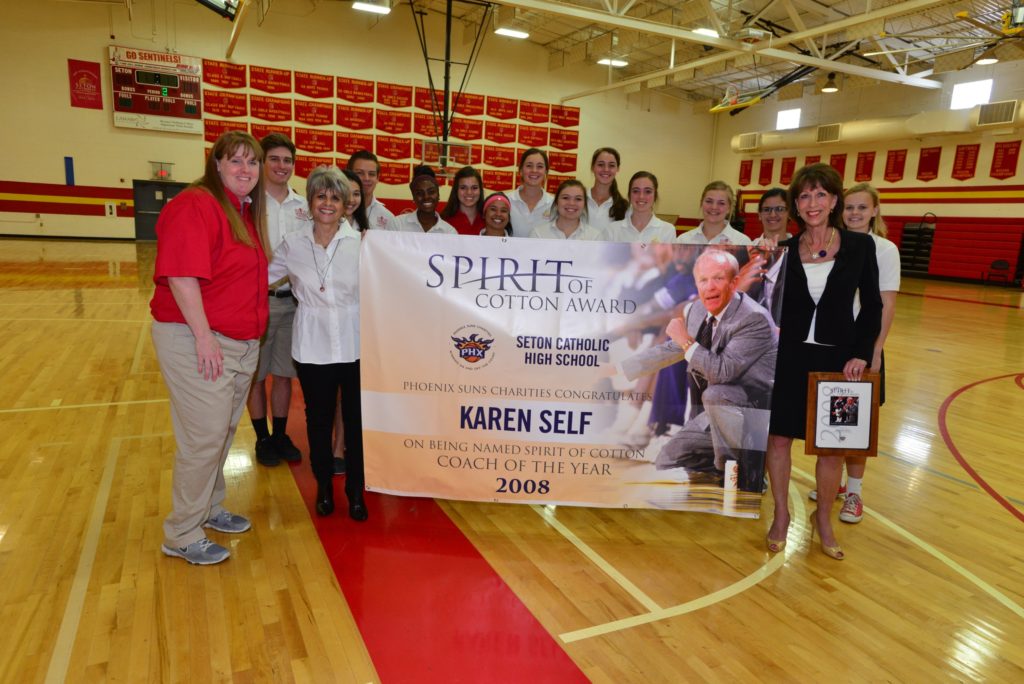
point(789, 395)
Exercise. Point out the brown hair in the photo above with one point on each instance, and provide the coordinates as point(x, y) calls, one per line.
point(569, 183)
point(877, 224)
point(812, 176)
point(226, 146)
point(620, 204)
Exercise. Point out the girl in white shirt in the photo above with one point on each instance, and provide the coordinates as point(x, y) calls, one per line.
point(861, 214)
point(641, 225)
point(569, 216)
point(717, 203)
point(531, 203)
point(322, 264)
point(605, 204)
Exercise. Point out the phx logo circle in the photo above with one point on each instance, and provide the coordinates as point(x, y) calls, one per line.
point(472, 347)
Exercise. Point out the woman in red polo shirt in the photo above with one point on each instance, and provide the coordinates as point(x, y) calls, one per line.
point(210, 309)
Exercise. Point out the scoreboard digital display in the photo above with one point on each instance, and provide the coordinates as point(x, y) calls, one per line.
point(156, 90)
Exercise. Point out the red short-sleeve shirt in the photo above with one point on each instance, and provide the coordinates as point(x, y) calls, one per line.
point(193, 240)
point(460, 222)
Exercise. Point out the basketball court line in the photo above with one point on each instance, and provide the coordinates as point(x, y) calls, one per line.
point(60, 658)
point(936, 553)
point(656, 613)
point(102, 404)
point(961, 300)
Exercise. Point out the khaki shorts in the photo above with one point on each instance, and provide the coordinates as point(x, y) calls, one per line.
point(276, 345)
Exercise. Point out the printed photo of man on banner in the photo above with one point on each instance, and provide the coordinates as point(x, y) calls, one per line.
point(596, 374)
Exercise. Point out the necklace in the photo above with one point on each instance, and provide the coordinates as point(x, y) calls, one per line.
point(322, 274)
point(822, 253)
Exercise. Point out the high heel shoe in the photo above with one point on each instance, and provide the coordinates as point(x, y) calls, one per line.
point(836, 551)
point(325, 497)
point(357, 508)
point(775, 545)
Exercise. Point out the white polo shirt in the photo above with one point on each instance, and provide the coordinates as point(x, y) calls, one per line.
point(728, 236)
point(286, 217)
point(377, 215)
point(523, 220)
point(408, 223)
point(656, 230)
point(547, 230)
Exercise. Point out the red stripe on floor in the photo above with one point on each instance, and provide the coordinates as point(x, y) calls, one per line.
point(429, 607)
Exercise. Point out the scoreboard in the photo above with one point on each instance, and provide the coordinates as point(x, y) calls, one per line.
point(156, 90)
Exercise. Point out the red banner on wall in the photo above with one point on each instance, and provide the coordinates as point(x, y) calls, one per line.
point(564, 162)
point(224, 103)
point(348, 143)
point(838, 162)
point(393, 148)
point(1004, 159)
point(392, 173)
point(895, 164)
point(764, 173)
point(468, 104)
point(314, 113)
point(565, 116)
point(533, 136)
point(304, 164)
point(534, 112)
point(314, 85)
point(358, 118)
point(261, 130)
point(499, 156)
point(355, 90)
point(564, 140)
point(965, 162)
point(746, 169)
point(502, 107)
point(393, 122)
point(498, 181)
point(214, 128)
point(554, 181)
point(223, 74)
point(394, 95)
point(270, 80)
point(270, 108)
point(812, 159)
point(84, 84)
point(865, 167)
point(426, 125)
point(500, 132)
point(468, 129)
point(786, 170)
point(424, 101)
point(928, 163)
point(314, 140)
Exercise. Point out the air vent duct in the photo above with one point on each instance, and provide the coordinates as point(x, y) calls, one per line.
point(749, 141)
point(997, 113)
point(829, 133)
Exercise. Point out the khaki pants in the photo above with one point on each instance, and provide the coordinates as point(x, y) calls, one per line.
point(204, 414)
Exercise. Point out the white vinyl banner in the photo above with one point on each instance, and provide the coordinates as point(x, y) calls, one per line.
point(541, 371)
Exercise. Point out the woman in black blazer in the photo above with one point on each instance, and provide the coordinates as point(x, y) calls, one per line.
point(826, 268)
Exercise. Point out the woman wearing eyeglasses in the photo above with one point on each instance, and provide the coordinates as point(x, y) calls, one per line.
point(774, 216)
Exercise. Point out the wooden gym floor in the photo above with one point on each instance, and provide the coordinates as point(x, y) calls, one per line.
point(932, 588)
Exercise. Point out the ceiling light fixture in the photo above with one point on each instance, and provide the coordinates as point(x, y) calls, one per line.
point(511, 33)
point(612, 62)
point(830, 85)
point(711, 33)
point(987, 57)
point(379, 7)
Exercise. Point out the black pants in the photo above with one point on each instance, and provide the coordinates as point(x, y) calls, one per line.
point(320, 385)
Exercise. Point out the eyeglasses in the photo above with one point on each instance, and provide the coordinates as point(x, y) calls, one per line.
point(773, 210)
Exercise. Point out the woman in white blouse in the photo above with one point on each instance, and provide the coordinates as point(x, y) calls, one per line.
point(569, 216)
point(531, 203)
point(717, 203)
point(642, 225)
point(322, 264)
point(605, 204)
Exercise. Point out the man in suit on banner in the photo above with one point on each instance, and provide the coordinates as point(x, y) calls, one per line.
point(730, 343)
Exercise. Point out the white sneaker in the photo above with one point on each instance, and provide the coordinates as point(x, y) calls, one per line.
point(202, 552)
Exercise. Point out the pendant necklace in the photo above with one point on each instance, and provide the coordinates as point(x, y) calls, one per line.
point(322, 274)
point(821, 254)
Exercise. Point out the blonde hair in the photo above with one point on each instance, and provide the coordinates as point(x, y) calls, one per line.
point(226, 146)
point(877, 224)
point(724, 187)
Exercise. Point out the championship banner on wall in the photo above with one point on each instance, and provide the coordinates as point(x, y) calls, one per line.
point(544, 380)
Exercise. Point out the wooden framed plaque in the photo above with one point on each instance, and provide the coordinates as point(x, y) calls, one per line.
point(842, 416)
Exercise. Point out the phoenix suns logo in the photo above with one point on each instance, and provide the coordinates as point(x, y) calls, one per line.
point(472, 345)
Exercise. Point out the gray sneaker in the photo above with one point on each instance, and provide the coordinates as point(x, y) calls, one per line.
point(202, 552)
point(228, 522)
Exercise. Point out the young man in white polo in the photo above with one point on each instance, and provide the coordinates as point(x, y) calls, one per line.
point(365, 165)
point(287, 211)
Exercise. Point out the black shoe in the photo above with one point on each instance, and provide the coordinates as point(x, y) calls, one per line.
point(325, 498)
point(266, 453)
point(357, 508)
point(285, 448)
point(339, 466)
